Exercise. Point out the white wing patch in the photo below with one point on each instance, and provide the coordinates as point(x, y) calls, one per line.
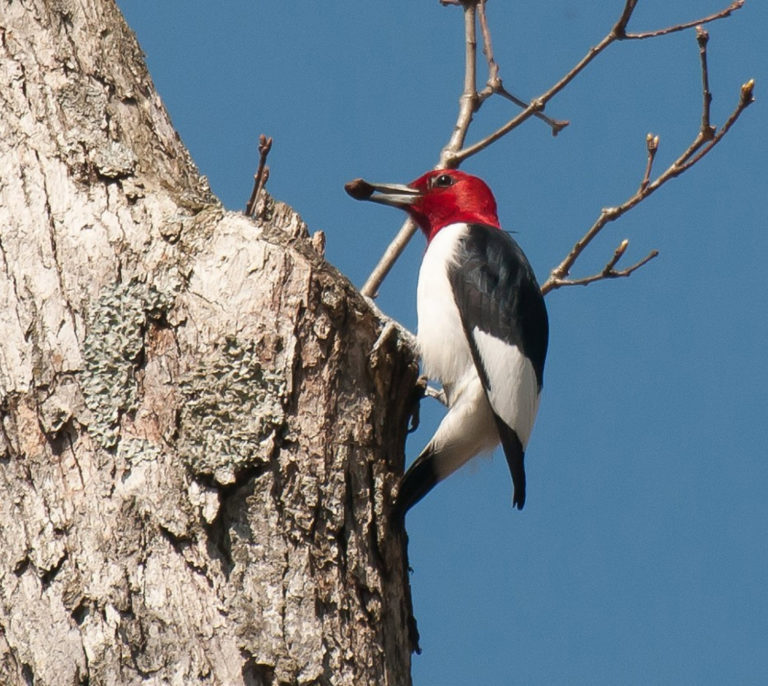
point(516, 400)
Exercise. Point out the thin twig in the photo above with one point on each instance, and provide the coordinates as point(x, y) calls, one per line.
point(619, 29)
point(467, 105)
point(618, 32)
point(494, 85)
point(558, 276)
point(453, 154)
point(652, 145)
point(608, 272)
point(745, 100)
point(469, 102)
point(538, 104)
point(261, 176)
point(557, 125)
point(707, 130)
point(370, 288)
point(617, 255)
point(493, 67)
point(534, 106)
point(737, 5)
point(468, 99)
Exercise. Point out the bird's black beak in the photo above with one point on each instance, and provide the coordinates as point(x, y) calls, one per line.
point(395, 194)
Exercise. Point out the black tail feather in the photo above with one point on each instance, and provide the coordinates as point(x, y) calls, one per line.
point(513, 450)
point(419, 480)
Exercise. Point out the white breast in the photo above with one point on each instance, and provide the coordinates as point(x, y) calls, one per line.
point(444, 349)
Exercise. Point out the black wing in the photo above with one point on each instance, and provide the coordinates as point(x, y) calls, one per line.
point(497, 294)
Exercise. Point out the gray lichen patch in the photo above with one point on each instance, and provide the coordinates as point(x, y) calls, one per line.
point(113, 160)
point(112, 350)
point(233, 411)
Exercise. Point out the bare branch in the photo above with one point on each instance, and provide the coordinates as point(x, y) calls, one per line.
point(652, 144)
point(261, 176)
point(493, 67)
point(468, 103)
point(608, 272)
point(452, 155)
point(693, 154)
point(494, 85)
point(468, 100)
point(557, 125)
point(617, 255)
point(370, 288)
point(620, 27)
point(745, 100)
point(618, 32)
point(535, 105)
point(707, 130)
point(737, 5)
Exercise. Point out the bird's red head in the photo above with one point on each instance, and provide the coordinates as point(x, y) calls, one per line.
point(436, 199)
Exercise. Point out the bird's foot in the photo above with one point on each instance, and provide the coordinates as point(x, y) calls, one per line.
point(419, 391)
point(436, 393)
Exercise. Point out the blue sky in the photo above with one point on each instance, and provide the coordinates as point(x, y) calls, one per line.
point(642, 553)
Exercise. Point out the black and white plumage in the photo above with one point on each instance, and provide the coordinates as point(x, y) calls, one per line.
point(482, 328)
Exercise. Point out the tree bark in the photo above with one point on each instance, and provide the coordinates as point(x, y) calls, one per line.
point(201, 420)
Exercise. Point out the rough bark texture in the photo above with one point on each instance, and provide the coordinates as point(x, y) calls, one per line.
point(201, 421)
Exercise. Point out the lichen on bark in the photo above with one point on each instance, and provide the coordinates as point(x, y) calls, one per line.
point(200, 426)
point(112, 353)
point(233, 408)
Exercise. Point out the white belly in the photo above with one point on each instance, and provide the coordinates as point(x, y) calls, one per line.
point(444, 350)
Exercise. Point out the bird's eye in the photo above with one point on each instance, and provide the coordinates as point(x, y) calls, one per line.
point(443, 181)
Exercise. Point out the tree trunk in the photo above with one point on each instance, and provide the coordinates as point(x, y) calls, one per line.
point(201, 420)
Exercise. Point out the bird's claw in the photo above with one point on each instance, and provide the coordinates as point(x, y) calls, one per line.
point(419, 391)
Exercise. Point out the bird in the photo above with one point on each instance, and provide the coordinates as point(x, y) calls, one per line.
point(482, 329)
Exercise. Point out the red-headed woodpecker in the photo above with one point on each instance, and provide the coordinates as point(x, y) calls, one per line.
point(482, 326)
